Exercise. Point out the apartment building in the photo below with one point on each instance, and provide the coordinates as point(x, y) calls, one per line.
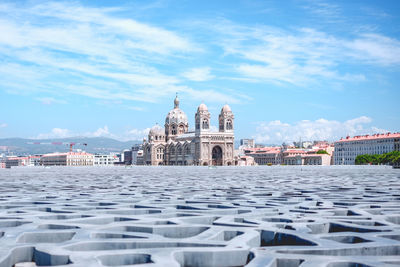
point(67, 159)
point(347, 149)
point(265, 155)
point(105, 159)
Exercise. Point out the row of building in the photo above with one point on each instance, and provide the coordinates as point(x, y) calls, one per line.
point(172, 144)
point(347, 149)
point(79, 158)
point(342, 152)
point(319, 154)
point(175, 144)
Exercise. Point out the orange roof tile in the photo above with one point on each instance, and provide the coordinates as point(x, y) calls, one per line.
point(369, 137)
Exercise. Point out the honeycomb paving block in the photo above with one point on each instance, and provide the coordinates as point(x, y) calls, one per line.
point(276, 216)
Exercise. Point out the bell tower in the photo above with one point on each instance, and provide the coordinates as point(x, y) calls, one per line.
point(202, 119)
point(226, 119)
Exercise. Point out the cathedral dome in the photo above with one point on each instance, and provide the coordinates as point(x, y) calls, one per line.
point(176, 115)
point(226, 108)
point(156, 130)
point(202, 107)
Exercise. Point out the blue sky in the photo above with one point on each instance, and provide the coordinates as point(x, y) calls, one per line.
point(289, 69)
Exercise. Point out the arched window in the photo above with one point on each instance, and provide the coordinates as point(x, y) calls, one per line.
point(179, 150)
point(173, 130)
point(160, 153)
point(229, 125)
point(181, 130)
point(205, 124)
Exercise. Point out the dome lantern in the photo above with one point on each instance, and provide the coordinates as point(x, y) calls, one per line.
point(176, 122)
point(176, 101)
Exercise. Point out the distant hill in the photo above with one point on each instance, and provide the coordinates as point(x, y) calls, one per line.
point(20, 146)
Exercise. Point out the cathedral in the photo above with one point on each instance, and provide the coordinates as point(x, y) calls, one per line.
point(174, 144)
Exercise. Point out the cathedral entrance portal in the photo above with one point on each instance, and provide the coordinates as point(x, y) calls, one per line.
point(217, 156)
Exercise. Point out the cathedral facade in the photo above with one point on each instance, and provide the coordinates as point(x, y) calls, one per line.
point(174, 144)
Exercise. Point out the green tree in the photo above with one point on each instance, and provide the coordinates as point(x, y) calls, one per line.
point(363, 159)
point(376, 159)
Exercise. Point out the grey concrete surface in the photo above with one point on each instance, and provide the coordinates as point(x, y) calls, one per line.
point(195, 216)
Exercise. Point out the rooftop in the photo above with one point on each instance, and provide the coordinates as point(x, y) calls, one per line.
point(66, 153)
point(370, 137)
point(258, 150)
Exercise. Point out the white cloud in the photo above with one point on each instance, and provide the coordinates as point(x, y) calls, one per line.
point(131, 134)
point(136, 134)
point(77, 26)
point(277, 132)
point(93, 51)
point(3, 125)
point(101, 132)
point(214, 96)
point(50, 100)
point(55, 133)
point(198, 74)
point(375, 49)
point(327, 12)
point(303, 56)
point(135, 108)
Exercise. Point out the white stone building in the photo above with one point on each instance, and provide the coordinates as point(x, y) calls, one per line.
point(135, 154)
point(247, 143)
point(105, 159)
point(34, 160)
point(265, 155)
point(175, 145)
point(246, 161)
point(67, 159)
point(292, 156)
point(347, 149)
point(14, 161)
point(397, 148)
point(317, 159)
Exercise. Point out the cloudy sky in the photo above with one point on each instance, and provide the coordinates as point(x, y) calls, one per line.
point(289, 69)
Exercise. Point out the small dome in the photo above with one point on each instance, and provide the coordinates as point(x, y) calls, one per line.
point(202, 107)
point(226, 108)
point(156, 130)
